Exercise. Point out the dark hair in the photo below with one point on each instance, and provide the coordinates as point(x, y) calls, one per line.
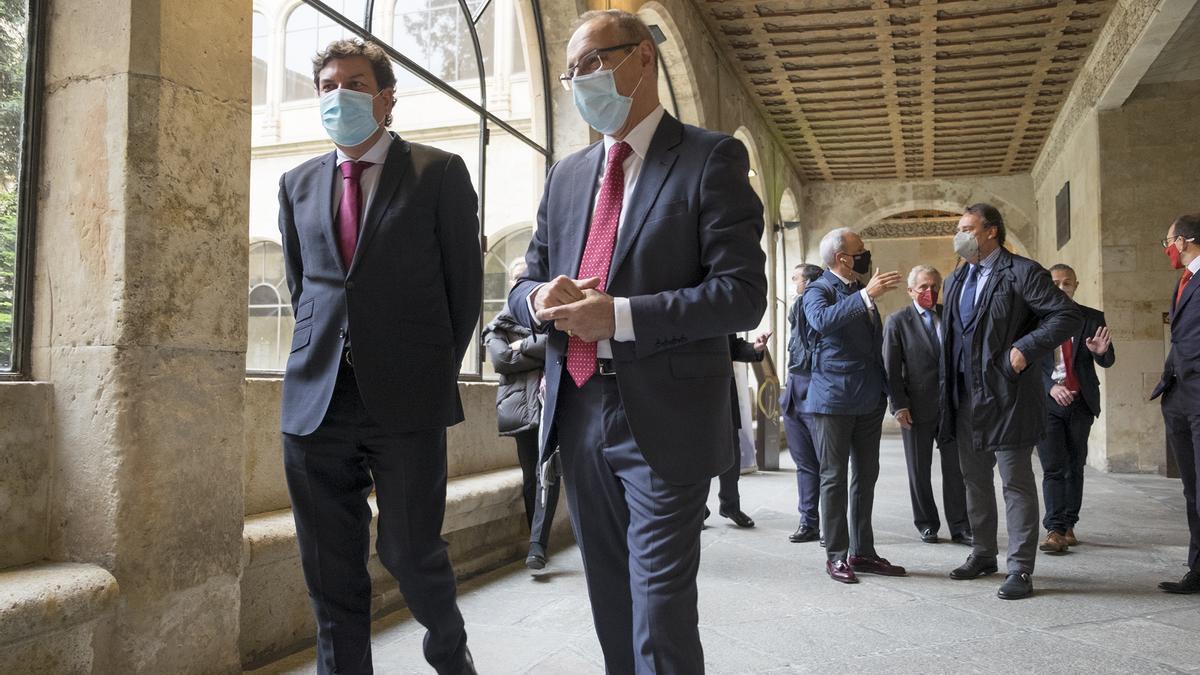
point(1062, 267)
point(1188, 226)
point(809, 272)
point(630, 26)
point(990, 216)
point(381, 65)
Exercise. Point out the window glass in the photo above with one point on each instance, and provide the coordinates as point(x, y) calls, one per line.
point(13, 36)
point(258, 51)
point(308, 32)
point(270, 325)
point(436, 35)
point(496, 265)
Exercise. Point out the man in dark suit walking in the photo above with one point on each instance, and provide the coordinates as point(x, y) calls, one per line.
point(1069, 378)
point(912, 354)
point(1180, 384)
point(645, 258)
point(381, 245)
point(847, 399)
point(796, 422)
point(1002, 313)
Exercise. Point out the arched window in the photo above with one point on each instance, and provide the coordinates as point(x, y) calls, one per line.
point(258, 51)
point(270, 327)
point(434, 33)
point(308, 32)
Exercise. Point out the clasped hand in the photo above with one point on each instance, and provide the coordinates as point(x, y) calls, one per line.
point(576, 308)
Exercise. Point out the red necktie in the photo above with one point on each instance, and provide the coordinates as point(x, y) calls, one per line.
point(597, 253)
point(350, 210)
point(1183, 281)
point(1068, 354)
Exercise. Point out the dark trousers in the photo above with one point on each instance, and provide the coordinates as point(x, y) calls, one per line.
point(1063, 453)
point(539, 516)
point(1020, 495)
point(727, 490)
point(918, 454)
point(639, 536)
point(330, 473)
point(1181, 416)
point(803, 450)
point(846, 442)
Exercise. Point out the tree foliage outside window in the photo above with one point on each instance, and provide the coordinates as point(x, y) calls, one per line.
point(13, 35)
point(434, 33)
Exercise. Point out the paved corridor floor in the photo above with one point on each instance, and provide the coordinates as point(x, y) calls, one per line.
point(766, 605)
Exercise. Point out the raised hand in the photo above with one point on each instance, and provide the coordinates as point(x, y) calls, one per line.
point(882, 282)
point(1100, 343)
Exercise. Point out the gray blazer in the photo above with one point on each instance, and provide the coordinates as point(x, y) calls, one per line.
point(913, 364)
point(689, 260)
point(409, 302)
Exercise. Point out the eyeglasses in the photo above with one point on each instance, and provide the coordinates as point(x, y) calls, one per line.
point(1171, 240)
point(590, 63)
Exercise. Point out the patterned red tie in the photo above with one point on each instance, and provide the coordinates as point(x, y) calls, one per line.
point(350, 210)
point(597, 253)
point(1183, 282)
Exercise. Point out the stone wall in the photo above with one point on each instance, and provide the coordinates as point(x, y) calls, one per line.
point(26, 444)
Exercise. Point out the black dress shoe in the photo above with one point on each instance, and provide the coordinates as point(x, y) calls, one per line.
point(1016, 586)
point(738, 517)
point(929, 536)
point(974, 568)
point(804, 533)
point(964, 538)
point(536, 559)
point(1190, 583)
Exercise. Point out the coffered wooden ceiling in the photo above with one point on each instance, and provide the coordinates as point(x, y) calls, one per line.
point(862, 89)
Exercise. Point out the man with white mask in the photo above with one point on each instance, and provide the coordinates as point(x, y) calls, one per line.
point(645, 258)
point(381, 245)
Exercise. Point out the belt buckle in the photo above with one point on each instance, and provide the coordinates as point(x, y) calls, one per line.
point(605, 367)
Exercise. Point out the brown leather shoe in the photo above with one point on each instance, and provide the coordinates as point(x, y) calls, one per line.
point(873, 564)
point(839, 571)
point(1071, 540)
point(1054, 543)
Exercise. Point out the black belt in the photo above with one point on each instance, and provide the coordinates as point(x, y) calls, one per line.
point(605, 367)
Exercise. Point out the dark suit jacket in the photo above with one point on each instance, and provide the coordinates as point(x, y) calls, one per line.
point(1182, 367)
point(1019, 307)
point(740, 350)
point(409, 302)
point(848, 377)
point(1084, 361)
point(913, 364)
point(689, 260)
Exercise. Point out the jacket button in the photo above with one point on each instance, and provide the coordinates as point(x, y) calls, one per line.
point(560, 360)
point(349, 285)
point(341, 333)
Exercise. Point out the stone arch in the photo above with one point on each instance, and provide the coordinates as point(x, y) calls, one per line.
point(1018, 228)
point(789, 207)
point(756, 168)
point(677, 61)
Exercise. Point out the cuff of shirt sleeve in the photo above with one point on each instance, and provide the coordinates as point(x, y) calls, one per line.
point(529, 305)
point(623, 316)
point(870, 302)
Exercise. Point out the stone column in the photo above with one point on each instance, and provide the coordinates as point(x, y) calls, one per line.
point(140, 313)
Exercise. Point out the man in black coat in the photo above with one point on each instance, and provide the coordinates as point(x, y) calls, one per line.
point(740, 349)
point(1180, 384)
point(381, 246)
point(1069, 377)
point(1002, 313)
point(912, 354)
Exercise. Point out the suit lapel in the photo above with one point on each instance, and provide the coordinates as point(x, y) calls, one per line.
point(392, 174)
point(326, 182)
point(579, 220)
point(918, 324)
point(660, 157)
point(1188, 292)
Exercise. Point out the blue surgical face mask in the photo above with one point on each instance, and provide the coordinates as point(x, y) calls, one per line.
point(348, 116)
point(599, 103)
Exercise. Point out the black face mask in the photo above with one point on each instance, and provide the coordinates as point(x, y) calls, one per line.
point(862, 262)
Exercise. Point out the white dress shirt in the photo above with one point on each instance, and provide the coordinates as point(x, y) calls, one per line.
point(638, 139)
point(368, 181)
point(937, 322)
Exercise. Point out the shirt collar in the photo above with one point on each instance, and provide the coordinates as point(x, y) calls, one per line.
point(920, 310)
point(376, 155)
point(846, 281)
point(640, 136)
point(989, 261)
point(1194, 266)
